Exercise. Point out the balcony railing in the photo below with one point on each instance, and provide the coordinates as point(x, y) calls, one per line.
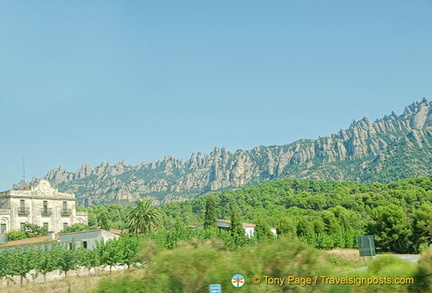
point(23, 211)
point(66, 212)
point(46, 212)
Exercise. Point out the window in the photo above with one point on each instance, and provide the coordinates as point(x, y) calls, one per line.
point(85, 244)
point(22, 210)
point(65, 225)
point(45, 206)
point(22, 226)
point(3, 228)
point(65, 205)
point(45, 225)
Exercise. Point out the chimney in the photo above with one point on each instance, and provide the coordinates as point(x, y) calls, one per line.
point(51, 235)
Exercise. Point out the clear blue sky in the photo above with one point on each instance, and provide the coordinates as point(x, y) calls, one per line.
point(93, 81)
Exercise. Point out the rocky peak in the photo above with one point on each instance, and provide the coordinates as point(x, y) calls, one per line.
point(59, 176)
point(362, 152)
point(83, 172)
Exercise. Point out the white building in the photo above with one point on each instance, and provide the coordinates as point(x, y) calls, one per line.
point(42, 205)
point(225, 224)
point(88, 239)
point(84, 239)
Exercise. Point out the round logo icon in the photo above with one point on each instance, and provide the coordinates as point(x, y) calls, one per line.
point(238, 280)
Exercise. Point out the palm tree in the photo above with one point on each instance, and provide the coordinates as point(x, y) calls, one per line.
point(144, 218)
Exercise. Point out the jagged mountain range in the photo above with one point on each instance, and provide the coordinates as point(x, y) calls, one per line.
point(391, 148)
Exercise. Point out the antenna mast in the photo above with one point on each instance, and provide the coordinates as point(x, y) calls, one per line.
point(23, 177)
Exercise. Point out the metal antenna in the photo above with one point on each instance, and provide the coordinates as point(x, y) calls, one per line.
point(23, 177)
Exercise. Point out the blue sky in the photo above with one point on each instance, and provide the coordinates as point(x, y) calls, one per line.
point(93, 81)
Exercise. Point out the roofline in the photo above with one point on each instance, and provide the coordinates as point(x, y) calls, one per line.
point(31, 243)
point(228, 222)
point(84, 231)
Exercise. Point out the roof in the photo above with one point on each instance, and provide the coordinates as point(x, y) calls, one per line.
point(244, 224)
point(43, 239)
point(27, 241)
point(227, 222)
point(113, 231)
point(116, 231)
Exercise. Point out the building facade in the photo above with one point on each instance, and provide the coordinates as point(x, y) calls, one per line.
point(87, 239)
point(42, 205)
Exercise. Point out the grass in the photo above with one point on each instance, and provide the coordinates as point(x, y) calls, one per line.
point(346, 259)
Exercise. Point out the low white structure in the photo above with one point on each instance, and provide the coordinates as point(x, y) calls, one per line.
point(87, 239)
point(225, 224)
point(42, 205)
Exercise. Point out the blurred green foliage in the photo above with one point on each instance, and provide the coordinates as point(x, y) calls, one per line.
point(192, 266)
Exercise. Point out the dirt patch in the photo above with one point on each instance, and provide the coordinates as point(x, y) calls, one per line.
point(77, 281)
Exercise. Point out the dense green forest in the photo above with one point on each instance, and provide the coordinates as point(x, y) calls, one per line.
point(325, 214)
point(307, 215)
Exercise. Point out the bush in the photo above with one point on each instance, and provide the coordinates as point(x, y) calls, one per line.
point(16, 235)
point(384, 268)
point(193, 266)
point(282, 258)
point(423, 276)
point(124, 284)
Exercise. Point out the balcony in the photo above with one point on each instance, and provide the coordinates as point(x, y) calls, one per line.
point(46, 212)
point(66, 212)
point(23, 211)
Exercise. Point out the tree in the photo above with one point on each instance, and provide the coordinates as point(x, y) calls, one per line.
point(110, 253)
point(69, 259)
point(318, 226)
point(422, 225)
point(16, 235)
point(287, 227)
point(47, 260)
point(33, 230)
point(236, 227)
point(129, 246)
point(5, 261)
point(104, 221)
point(22, 262)
point(90, 258)
point(262, 230)
point(391, 228)
point(210, 213)
point(423, 276)
point(236, 237)
point(305, 230)
point(78, 228)
point(333, 228)
point(30, 230)
point(144, 218)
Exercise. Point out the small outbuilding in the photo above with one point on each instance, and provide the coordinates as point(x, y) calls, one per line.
point(85, 239)
point(226, 224)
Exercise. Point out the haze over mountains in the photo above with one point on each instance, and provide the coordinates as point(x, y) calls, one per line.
point(391, 148)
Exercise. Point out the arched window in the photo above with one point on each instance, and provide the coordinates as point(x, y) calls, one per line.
point(3, 225)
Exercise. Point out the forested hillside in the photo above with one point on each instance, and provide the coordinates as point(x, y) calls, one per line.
point(325, 214)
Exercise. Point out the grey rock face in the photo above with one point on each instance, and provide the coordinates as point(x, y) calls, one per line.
point(366, 151)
